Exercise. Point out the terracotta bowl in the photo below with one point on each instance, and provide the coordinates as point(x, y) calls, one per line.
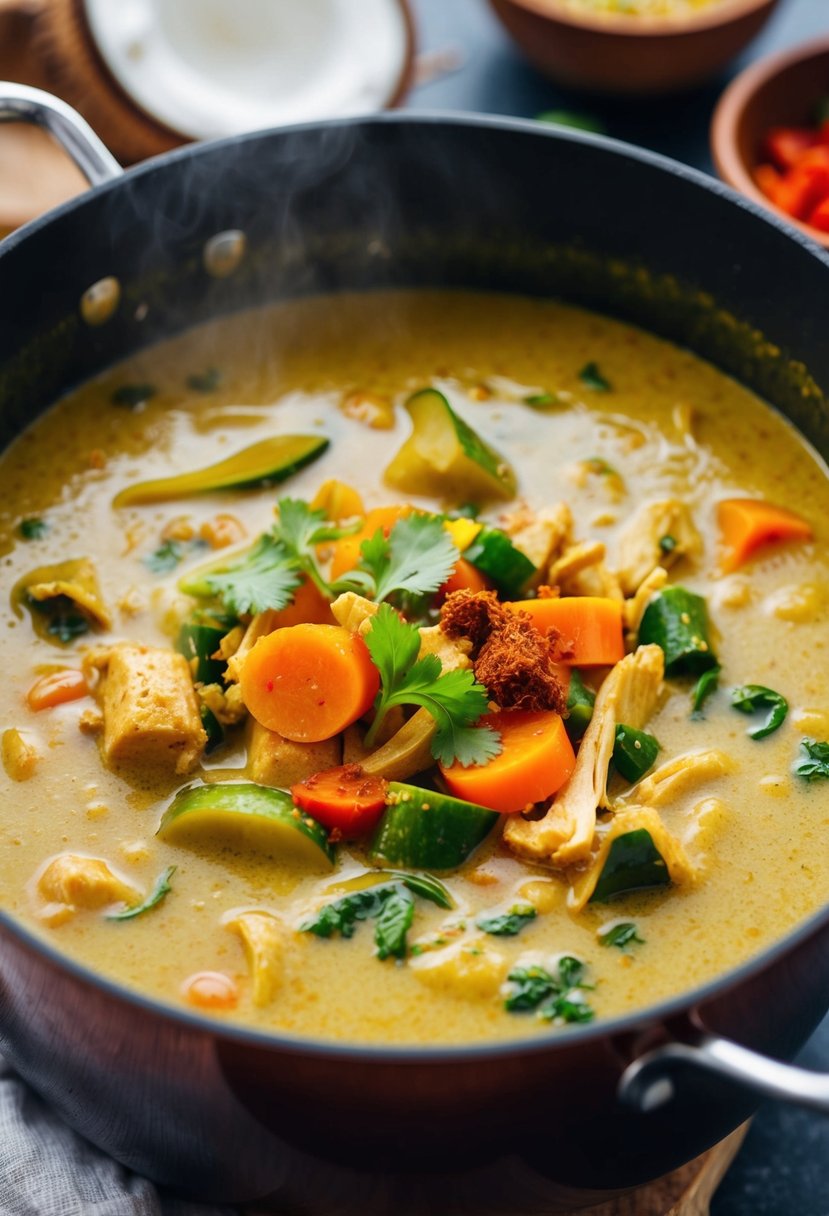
point(780, 90)
point(635, 56)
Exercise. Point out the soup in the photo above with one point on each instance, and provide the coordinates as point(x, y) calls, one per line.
point(639, 8)
point(504, 711)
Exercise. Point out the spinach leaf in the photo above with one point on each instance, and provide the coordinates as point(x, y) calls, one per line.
point(426, 887)
point(620, 935)
point(509, 924)
point(667, 543)
point(33, 529)
point(64, 621)
point(165, 558)
point(751, 698)
point(133, 396)
point(393, 923)
point(703, 689)
point(159, 892)
point(341, 915)
point(592, 378)
point(814, 766)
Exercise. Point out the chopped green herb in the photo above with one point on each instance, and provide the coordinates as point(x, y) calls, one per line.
point(509, 924)
point(33, 529)
point(133, 396)
point(592, 378)
point(596, 464)
point(205, 382)
point(667, 543)
point(553, 997)
point(620, 935)
point(705, 686)
point(569, 118)
point(266, 576)
point(165, 558)
point(751, 698)
point(161, 889)
point(467, 510)
point(64, 621)
point(634, 752)
point(390, 904)
point(415, 559)
point(543, 401)
point(814, 766)
point(453, 698)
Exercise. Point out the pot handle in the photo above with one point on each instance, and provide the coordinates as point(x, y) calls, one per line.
point(647, 1083)
point(20, 103)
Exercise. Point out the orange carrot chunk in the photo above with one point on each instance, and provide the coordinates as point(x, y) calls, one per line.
point(748, 524)
point(783, 146)
point(464, 577)
point(344, 799)
point(211, 990)
point(57, 689)
point(308, 607)
point(347, 550)
point(536, 760)
point(309, 682)
point(590, 625)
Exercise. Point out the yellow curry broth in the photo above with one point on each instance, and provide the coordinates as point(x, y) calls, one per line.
point(672, 426)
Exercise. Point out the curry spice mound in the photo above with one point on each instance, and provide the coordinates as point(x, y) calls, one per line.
point(516, 664)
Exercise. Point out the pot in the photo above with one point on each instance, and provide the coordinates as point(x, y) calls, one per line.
point(229, 1114)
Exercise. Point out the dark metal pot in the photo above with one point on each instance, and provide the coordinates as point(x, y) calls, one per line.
point(230, 1114)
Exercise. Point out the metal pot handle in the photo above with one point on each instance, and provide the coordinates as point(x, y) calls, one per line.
point(647, 1083)
point(19, 103)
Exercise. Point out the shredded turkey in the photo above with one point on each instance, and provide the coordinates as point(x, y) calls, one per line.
point(656, 534)
point(565, 834)
point(71, 882)
point(682, 773)
point(541, 535)
point(634, 608)
point(264, 940)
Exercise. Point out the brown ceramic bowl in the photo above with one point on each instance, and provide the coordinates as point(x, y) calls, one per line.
point(635, 56)
point(781, 90)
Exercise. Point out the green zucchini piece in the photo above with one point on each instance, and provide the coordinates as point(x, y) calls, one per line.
point(444, 457)
point(199, 638)
point(677, 620)
point(428, 830)
point(262, 464)
point(246, 817)
point(633, 864)
point(212, 728)
point(493, 553)
point(633, 752)
point(580, 702)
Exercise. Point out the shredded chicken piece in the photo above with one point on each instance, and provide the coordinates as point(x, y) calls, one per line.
point(574, 559)
point(515, 663)
point(225, 704)
point(469, 969)
point(354, 612)
point(677, 776)
point(453, 652)
point(20, 756)
point(632, 819)
point(264, 940)
point(540, 534)
point(641, 541)
point(595, 579)
point(565, 834)
point(71, 882)
point(634, 608)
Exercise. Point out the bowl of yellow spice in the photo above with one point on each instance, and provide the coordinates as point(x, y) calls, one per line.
point(632, 47)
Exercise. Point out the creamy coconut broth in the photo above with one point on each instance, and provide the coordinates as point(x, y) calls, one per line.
point(616, 421)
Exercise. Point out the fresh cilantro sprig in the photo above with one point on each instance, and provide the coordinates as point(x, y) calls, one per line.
point(508, 924)
point(159, 893)
point(299, 529)
point(555, 995)
point(813, 765)
point(415, 559)
point(454, 698)
point(264, 577)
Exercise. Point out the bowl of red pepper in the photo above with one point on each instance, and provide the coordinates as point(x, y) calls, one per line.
point(770, 136)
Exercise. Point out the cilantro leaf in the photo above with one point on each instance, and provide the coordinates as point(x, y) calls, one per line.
point(159, 892)
point(453, 698)
point(553, 995)
point(299, 529)
point(165, 558)
point(33, 528)
point(266, 576)
point(591, 377)
point(814, 766)
point(415, 559)
point(390, 904)
point(509, 924)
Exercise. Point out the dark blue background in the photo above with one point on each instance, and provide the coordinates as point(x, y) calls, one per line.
point(783, 1168)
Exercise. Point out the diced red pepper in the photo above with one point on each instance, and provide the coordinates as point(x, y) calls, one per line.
point(819, 218)
point(344, 799)
point(783, 146)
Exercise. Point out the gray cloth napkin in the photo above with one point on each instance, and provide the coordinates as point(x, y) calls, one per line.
point(46, 1169)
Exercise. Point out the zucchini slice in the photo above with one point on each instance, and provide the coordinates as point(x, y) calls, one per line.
point(199, 639)
point(633, 864)
point(493, 553)
point(427, 830)
point(246, 817)
point(444, 457)
point(677, 620)
point(262, 464)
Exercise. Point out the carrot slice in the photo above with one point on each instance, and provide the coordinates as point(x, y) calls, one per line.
point(343, 798)
point(308, 682)
point(211, 990)
point(536, 760)
point(465, 577)
point(748, 524)
point(347, 550)
point(591, 625)
point(56, 689)
point(309, 607)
